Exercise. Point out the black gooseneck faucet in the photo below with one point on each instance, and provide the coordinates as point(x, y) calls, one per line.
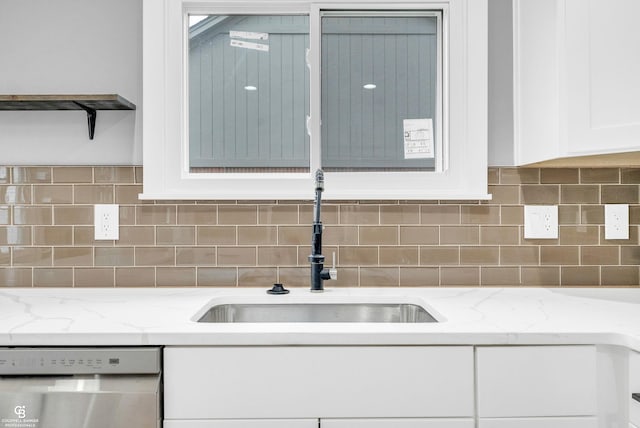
point(318, 272)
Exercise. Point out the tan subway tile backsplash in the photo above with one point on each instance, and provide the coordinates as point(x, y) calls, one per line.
point(72, 174)
point(619, 194)
point(30, 175)
point(579, 194)
point(32, 215)
point(534, 194)
point(47, 234)
point(114, 174)
point(52, 277)
point(500, 276)
point(569, 214)
point(16, 277)
point(560, 175)
point(5, 215)
point(72, 215)
point(15, 194)
point(93, 194)
point(400, 214)
point(468, 235)
point(15, 235)
point(399, 256)
point(94, 277)
point(53, 194)
point(599, 175)
point(630, 176)
point(379, 277)
point(175, 235)
point(540, 276)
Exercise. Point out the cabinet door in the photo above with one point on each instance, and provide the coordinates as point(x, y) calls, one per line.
point(397, 423)
point(587, 422)
point(603, 93)
point(634, 387)
point(576, 88)
point(330, 381)
point(536, 381)
point(243, 423)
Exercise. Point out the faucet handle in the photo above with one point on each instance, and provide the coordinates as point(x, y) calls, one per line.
point(333, 272)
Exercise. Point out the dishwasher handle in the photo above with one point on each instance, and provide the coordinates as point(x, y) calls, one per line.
point(636, 396)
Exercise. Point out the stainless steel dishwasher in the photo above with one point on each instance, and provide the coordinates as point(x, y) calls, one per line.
point(80, 387)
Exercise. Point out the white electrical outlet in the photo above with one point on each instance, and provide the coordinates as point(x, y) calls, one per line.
point(616, 221)
point(540, 222)
point(106, 221)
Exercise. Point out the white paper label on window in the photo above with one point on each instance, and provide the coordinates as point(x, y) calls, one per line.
point(249, 45)
point(418, 138)
point(249, 35)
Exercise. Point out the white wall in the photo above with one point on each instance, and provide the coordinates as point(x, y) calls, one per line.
point(71, 47)
point(500, 83)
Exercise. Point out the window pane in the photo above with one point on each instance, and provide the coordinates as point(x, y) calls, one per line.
point(378, 71)
point(248, 93)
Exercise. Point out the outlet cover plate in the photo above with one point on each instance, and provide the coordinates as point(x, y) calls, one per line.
point(106, 221)
point(540, 222)
point(616, 221)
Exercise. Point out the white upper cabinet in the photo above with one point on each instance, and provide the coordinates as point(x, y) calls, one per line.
point(247, 99)
point(576, 86)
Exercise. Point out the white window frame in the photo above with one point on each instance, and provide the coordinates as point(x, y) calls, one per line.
point(165, 113)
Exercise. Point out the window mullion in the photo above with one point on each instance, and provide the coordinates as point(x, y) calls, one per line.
point(315, 88)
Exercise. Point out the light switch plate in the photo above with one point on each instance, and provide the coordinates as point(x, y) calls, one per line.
point(106, 221)
point(616, 221)
point(540, 222)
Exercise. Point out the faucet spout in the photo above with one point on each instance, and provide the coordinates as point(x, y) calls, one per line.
point(318, 273)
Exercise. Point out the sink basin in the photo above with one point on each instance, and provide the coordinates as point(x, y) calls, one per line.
point(317, 312)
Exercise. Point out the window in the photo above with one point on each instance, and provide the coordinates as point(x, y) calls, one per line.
point(378, 69)
point(248, 93)
point(389, 99)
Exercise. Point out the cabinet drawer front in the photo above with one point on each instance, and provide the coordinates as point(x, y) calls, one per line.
point(302, 382)
point(397, 423)
point(536, 381)
point(634, 386)
point(587, 422)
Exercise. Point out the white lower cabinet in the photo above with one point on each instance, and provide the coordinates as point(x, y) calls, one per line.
point(565, 422)
point(530, 381)
point(318, 382)
point(383, 387)
point(537, 386)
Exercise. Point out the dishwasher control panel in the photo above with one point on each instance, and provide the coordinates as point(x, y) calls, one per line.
point(72, 361)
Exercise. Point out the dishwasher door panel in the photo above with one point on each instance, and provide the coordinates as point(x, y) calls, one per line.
point(100, 401)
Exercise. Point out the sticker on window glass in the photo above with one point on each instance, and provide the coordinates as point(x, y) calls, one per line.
point(418, 138)
point(249, 45)
point(249, 35)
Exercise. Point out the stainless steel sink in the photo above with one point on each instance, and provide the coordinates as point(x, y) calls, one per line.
point(317, 312)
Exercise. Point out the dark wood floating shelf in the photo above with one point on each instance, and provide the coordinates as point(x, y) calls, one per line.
point(88, 103)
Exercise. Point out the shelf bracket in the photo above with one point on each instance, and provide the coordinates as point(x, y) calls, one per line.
point(91, 118)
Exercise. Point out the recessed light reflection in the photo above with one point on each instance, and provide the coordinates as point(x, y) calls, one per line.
point(369, 86)
point(250, 88)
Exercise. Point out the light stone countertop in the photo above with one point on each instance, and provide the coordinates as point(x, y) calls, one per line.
point(475, 316)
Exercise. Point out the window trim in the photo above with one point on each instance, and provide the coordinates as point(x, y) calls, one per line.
point(165, 111)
